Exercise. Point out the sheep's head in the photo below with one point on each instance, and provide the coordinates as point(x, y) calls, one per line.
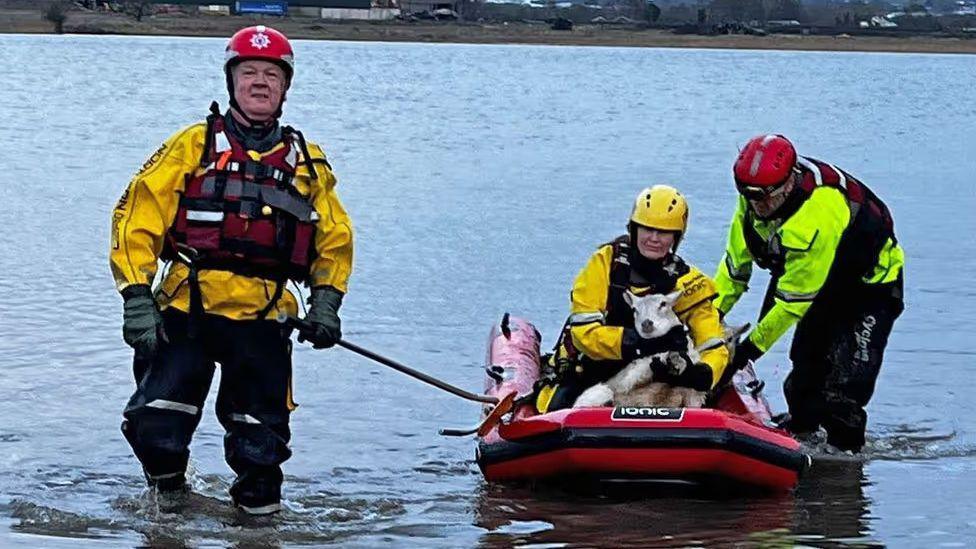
point(653, 313)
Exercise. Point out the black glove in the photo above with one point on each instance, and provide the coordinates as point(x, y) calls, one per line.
point(633, 346)
point(664, 366)
point(745, 352)
point(142, 325)
point(323, 315)
point(697, 376)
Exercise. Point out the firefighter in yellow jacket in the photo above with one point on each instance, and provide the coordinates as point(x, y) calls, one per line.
point(600, 337)
point(238, 206)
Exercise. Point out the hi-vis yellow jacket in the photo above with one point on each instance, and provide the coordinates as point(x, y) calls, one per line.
point(599, 341)
point(807, 241)
point(146, 211)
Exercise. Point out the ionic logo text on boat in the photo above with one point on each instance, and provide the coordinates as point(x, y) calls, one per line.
point(647, 413)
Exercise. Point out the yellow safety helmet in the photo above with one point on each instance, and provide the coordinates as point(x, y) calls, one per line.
point(661, 207)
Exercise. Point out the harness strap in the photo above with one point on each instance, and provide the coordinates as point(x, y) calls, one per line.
point(279, 291)
point(304, 146)
point(619, 282)
point(196, 302)
point(188, 256)
point(768, 254)
point(208, 139)
point(569, 357)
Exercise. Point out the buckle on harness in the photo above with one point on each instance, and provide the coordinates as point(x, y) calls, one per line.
point(187, 254)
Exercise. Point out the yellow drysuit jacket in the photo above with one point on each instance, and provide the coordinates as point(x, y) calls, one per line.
point(143, 216)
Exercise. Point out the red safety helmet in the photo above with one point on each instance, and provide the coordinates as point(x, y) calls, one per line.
point(259, 42)
point(764, 165)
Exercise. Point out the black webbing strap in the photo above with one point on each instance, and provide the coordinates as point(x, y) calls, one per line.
point(208, 141)
point(304, 148)
point(619, 283)
point(188, 256)
point(279, 291)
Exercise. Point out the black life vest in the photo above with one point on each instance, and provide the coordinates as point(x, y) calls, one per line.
point(870, 226)
point(625, 272)
point(245, 215)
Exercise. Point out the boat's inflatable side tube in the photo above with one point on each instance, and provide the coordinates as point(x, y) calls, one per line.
point(614, 440)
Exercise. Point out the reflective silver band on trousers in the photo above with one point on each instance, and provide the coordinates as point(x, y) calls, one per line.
point(245, 418)
point(175, 406)
point(166, 476)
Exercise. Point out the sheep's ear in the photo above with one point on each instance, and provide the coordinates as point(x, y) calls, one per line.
point(673, 296)
point(629, 298)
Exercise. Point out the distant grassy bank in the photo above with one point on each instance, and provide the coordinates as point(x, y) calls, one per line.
point(80, 22)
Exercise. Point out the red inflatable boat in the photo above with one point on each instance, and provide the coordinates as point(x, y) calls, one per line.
point(733, 442)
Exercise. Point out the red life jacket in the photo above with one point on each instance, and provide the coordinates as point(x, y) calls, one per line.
point(244, 215)
point(870, 226)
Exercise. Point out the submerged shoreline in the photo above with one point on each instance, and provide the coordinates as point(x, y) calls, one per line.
point(32, 22)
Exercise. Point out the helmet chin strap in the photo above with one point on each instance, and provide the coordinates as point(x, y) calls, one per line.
point(252, 122)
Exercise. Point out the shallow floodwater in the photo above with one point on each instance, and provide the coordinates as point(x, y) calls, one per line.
point(479, 179)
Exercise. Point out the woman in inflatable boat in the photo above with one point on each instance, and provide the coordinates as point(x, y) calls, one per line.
point(600, 338)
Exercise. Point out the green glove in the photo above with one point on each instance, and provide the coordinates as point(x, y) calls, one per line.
point(323, 315)
point(142, 325)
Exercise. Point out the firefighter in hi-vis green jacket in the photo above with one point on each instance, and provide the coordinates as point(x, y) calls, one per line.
point(836, 267)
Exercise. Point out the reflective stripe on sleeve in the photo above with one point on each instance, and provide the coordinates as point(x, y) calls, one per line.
point(577, 319)
point(739, 275)
point(794, 297)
